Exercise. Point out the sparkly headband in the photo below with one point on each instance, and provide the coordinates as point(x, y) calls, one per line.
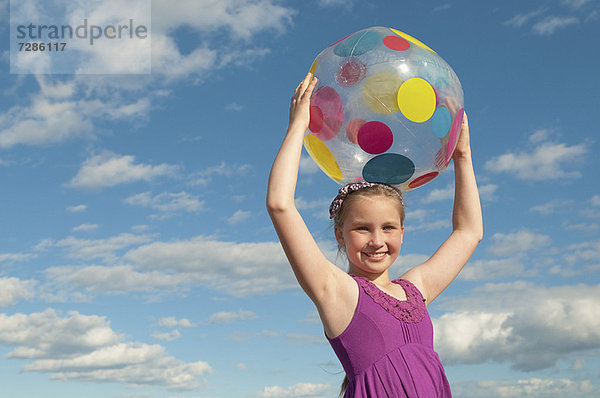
point(346, 190)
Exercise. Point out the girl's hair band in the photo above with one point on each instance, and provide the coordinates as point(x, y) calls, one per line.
point(346, 190)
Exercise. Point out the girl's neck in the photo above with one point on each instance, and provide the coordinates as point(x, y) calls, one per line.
point(382, 279)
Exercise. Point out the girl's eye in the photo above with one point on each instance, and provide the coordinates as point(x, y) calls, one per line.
point(388, 228)
point(362, 228)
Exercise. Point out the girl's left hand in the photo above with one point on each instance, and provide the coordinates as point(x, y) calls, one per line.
point(463, 146)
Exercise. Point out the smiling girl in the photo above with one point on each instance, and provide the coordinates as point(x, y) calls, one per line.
point(378, 327)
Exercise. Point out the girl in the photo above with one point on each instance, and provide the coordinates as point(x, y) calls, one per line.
point(379, 328)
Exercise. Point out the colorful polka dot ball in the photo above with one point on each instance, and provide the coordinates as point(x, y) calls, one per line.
point(386, 109)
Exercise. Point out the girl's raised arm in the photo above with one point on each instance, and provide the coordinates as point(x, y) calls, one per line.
point(319, 278)
point(443, 267)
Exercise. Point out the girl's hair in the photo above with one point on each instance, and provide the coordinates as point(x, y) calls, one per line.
point(365, 192)
point(346, 202)
point(344, 386)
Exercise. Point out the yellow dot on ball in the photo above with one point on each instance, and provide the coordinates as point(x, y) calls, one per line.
point(322, 157)
point(313, 67)
point(411, 39)
point(380, 90)
point(416, 100)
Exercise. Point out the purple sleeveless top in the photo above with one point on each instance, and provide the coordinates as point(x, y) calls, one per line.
point(387, 349)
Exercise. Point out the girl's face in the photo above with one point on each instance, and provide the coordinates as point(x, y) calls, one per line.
point(372, 234)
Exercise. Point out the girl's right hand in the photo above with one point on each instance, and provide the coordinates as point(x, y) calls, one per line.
point(300, 104)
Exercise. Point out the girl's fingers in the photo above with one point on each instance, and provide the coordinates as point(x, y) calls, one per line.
point(307, 91)
point(299, 86)
point(311, 86)
point(303, 84)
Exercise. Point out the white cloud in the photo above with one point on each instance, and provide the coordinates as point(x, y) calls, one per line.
point(487, 191)
point(548, 207)
point(580, 258)
point(67, 109)
point(303, 338)
point(14, 289)
point(491, 269)
point(528, 326)
point(234, 106)
point(167, 336)
point(300, 390)
point(168, 61)
point(427, 226)
point(551, 24)
point(118, 279)
point(504, 245)
point(583, 227)
point(308, 166)
point(77, 209)
point(90, 249)
point(239, 216)
point(576, 3)
point(241, 366)
point(332, 3)
point(205, 176)
point(109, 169)
point(522, 18)
point(534, 387)
point(405, 262)
point(47, 335)
point(85, 348)
point(442, 7)
point(173, 322)
point(417, 215)
point(167, 203)
point(437, 195)
point(548, 161)
point(237, 268)
point(44, 121)
point(15, 257)
point(540, 135)
point(85, 228)
point(241, 18)
point(228, 317)
point(318, 204)
point(318, 207)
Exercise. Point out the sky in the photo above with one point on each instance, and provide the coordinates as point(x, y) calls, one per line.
point(136, 255)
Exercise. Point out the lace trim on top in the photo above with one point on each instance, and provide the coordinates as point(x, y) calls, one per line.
point(411, 310)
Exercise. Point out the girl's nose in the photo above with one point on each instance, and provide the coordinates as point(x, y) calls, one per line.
point(376, 239)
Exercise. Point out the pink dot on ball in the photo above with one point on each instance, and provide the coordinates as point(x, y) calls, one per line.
point(332, 112)
point(422, 180)
point(396, 43)
point(352, 71)
point(454, 134)
point(316, 119)
point(352, 129)
point(375, 137)
point(440, 158)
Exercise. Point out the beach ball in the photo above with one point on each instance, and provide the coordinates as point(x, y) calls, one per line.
point(386, 109)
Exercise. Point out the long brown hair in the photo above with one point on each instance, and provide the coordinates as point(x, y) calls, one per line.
point(338, 220)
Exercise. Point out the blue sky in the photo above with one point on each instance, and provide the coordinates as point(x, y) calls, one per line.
point(137, 258)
